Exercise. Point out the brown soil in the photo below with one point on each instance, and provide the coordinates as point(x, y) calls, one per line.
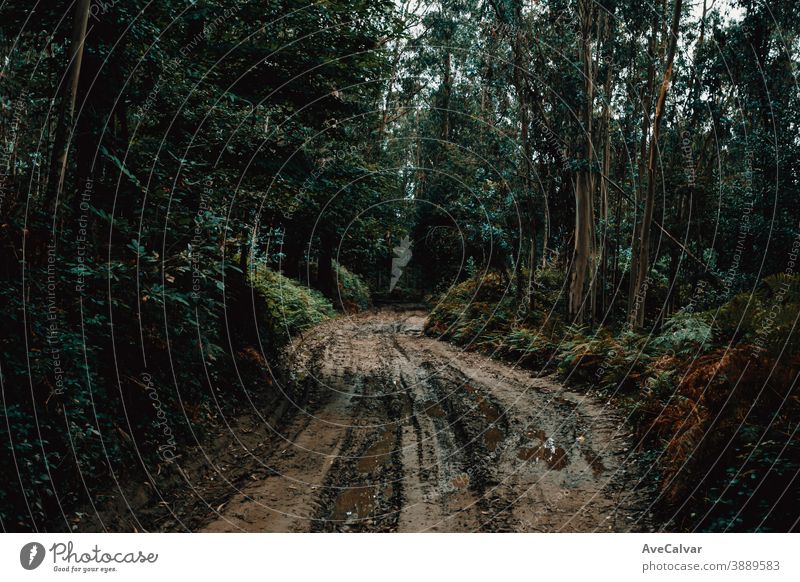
point(400, 432)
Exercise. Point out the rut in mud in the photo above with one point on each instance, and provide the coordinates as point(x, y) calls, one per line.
point(400, 432)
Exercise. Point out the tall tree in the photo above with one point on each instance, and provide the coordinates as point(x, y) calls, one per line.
point(643, 262)
point(60, 154)
point(584, 249)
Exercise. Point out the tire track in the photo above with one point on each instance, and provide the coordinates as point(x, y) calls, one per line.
point(404, 433)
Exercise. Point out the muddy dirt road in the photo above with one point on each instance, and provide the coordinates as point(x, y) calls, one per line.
point(400, 432)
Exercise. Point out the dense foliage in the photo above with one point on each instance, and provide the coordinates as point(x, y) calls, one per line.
point(712, 396)
point(607, 190)
point(188, 146)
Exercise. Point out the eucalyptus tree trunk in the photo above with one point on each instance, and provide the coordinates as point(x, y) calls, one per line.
point(633, 286)
point(637, 313)
point(584, 184)
point(604, 202)
point(520, 87)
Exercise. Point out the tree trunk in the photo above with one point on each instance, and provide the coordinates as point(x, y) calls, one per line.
point(601, 278)
point(604, 186)
point(387, 103)
point(446, 90)
point(637, 313)
point(58, 163)
point(637, 224)
point(520, 87)
point(584, 212)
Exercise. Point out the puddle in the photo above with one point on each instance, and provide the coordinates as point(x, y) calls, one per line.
point(493, 436)
point(536, 434)
point(355, 503)
point(594, 461)
point(555, 457)
point(487, 409)
point(378, 454)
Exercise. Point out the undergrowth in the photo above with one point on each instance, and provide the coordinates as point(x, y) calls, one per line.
point(711, 397)
point(289, 307)
point(353, 293)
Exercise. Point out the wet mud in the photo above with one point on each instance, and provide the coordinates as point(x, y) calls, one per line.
point(401, 432)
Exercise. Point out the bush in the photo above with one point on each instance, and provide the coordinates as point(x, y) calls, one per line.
point(726, 435)
point(530, 347)
point(718, 422)
point(765, 318)
point(353, 291)
point(290, 307)
point(724, 416)
point(465, 311)
point(603, 360)
point(684, 334)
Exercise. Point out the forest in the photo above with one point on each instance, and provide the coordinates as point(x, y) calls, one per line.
point(471, 251)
